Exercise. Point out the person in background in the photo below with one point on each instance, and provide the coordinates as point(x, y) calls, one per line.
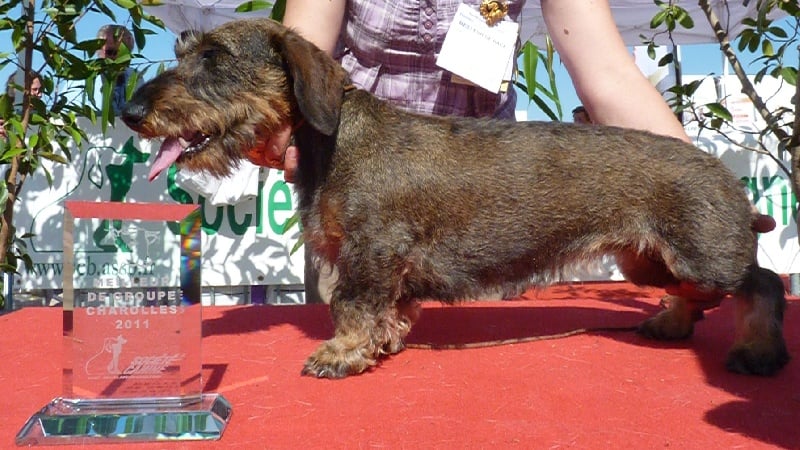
point(36, 85)
point(36, 91)
point(581, 116)
point(115, 36)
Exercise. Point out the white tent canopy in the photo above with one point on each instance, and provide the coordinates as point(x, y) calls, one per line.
point(632, 17)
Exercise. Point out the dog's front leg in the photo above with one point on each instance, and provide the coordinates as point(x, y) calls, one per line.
point(365, 332)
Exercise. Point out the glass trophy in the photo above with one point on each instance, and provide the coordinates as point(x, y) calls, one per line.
point(132, 330)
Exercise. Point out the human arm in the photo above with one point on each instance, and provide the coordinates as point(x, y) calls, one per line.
point(319, 21)
point(605, 76)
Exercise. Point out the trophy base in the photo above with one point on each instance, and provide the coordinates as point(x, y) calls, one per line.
point(76, 421)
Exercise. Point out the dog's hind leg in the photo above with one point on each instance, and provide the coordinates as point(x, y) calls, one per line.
point(759, 348)
point(682, 308)
point(680, 313)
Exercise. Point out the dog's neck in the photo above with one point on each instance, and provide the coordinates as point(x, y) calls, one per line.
point(316, 151)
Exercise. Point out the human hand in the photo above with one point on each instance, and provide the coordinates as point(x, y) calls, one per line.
point(276, 152)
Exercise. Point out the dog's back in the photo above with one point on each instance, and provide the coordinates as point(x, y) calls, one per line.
point(510, 202)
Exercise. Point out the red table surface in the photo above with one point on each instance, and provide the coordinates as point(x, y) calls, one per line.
point(598, 390)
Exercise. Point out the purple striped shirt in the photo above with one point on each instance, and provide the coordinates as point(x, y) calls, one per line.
point(389, 47)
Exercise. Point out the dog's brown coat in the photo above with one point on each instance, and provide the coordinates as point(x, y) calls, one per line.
point(413, 207)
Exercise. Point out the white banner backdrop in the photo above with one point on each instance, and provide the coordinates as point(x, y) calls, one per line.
point(767, 184)
point(242, 244)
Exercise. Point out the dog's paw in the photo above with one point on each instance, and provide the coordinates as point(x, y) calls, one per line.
point(758, 358)
point(334, 360)
point(673, 323)
point(664, 327)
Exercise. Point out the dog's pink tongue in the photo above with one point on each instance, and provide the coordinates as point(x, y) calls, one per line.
point(168, 153)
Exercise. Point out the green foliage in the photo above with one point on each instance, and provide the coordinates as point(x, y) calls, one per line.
point(45, 42)
point(766, 45)
point(278, 8)
point(671, 15)
point(766, 42)
point(291, 223)
point(545, 97)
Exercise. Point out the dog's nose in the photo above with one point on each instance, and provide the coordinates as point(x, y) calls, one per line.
point(133, 114)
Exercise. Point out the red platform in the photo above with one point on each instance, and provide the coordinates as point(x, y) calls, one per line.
point(599, 390)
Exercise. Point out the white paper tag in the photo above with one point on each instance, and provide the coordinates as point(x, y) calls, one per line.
point(477, 52)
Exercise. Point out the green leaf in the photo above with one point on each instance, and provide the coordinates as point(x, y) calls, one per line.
point(685, 19)
point(545, 108)
point(666, 60)
point(691, 88)
point(126, 4)
point(744, 39)
point(790, 75)
point(48, 176)
point(278, 10)
point(131, 84)
point(106, 10)
point(27, 261)
point(778, 32)
point(53, 157)
point(719, 111)
point(33, 140)
point(294, 220)
point(530, 62)
point(752, 46)
point(766, 48)
point(254, 5)
point(3, 196)
point(11, 153)
point(658, 19)
point(107, 109)
point(297, 245)
point(76, 135)
point(139, 37)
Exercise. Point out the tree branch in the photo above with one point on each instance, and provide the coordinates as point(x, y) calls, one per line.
point(747, 87)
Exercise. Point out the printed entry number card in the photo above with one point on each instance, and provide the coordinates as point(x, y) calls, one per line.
point(478, 52)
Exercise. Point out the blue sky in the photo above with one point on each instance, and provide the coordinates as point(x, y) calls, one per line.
point(696, 60)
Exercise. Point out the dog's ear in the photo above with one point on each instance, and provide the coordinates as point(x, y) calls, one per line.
point(187, 40)
point(318, 82)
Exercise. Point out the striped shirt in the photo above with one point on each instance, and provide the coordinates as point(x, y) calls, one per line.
point(389, 47)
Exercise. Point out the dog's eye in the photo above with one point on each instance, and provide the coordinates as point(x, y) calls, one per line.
point(209, 54)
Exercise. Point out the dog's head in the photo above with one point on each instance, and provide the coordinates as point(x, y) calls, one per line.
point(240, 87)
